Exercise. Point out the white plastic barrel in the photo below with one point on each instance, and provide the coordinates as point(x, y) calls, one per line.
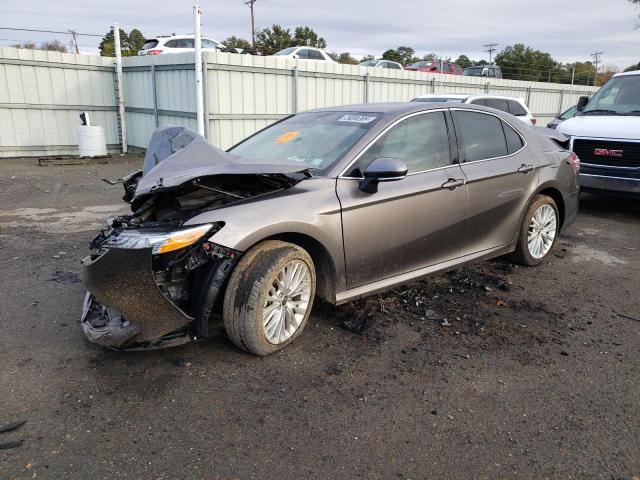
point(91, 142)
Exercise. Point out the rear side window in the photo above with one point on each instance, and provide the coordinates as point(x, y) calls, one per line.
point(479, 101)
point(481, 135)
point(393, 65)
point(516, 109)
point(421, 141)
point(150, 44)
point(498, 104)
point(514, 140)
point(315, 55)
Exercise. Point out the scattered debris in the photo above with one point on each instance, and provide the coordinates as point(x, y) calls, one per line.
point(68, 160)
point(7, 427)
point(628, 317)
point(65, 277)
point(11, 444)
point(562, 253)
point(564, 353)
point(333, 369)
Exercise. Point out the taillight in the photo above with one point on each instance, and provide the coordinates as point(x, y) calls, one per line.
point(574, 161)
point(533, 121)
point(154, 52)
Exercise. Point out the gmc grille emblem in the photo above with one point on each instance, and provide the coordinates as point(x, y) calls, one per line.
point(603, 152)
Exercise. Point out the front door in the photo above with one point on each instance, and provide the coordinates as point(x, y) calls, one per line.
point(502, 176)
point(410, 223)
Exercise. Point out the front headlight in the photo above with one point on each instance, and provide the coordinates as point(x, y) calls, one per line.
point(162, 242)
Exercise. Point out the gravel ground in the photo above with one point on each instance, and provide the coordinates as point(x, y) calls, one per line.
point(491, 371)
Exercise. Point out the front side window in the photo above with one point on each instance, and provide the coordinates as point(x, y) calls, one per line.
point(208, 43)
point(369, 63)
point(315, 55)
point(481, 135)
point(620, 95)
point(421, 141)
point(314, 139)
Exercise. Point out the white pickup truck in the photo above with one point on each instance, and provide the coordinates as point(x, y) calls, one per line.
point(606, 137)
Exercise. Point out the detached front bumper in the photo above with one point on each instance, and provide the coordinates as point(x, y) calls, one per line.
point(124, 307)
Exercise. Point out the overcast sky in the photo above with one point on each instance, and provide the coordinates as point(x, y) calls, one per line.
point(569, 29)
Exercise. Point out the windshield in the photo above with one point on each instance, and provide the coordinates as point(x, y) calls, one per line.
point(286, 51)
point(619, 96)
point(315, 139)
point(438, 99)
point(369, 63)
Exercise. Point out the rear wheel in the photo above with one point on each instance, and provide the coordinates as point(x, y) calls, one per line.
point(538, 231)
point(269, 297)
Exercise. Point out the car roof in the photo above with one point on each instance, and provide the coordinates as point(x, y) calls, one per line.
point(464, 96)
point(624, 74)
point(401, 108)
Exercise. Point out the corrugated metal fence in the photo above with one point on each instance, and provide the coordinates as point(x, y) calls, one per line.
point(41, 94)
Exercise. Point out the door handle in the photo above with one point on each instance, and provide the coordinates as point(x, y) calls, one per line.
point(526, 168)
point(453, 183)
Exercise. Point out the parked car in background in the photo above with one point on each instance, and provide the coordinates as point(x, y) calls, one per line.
point(381, 64)
point(513, 105)
point(606, 136)
point(338, 202)
point(491, 71)
point(566, 115)
point(177, 44)
point(305, 53)
point(433, 66)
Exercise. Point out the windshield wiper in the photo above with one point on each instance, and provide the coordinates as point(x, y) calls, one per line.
point(601, 111)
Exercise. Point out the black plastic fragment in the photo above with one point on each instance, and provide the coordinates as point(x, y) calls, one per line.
point(7, 427)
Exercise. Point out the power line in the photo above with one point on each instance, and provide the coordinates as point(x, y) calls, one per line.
point(49, 31)
point(490, 47)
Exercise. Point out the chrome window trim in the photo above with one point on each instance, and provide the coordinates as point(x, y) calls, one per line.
point(522, 137)
point(377, 137)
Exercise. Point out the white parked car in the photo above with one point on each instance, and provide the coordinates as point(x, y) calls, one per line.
point(305, 53)
point(176, 44)
point(382, 64)
point(513, 105)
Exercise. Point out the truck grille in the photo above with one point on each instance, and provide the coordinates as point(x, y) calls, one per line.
point(585, 149)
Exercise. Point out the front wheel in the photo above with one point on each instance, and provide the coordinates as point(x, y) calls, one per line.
point(269, 297)
point(538, 231)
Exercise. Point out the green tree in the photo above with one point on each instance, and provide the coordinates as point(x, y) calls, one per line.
point(633, 67)
point(274, 39)
point(107, 44)
point(519, 62)
point(235, 42)
point(346, 58)
point(305, 36)
point(136, 41)
point(392, 55)
point(52, 46)
point(403, 55)
point(463, 61)
point(367, 57)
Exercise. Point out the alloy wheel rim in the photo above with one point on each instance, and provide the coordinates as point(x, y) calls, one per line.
point(287, 301)
point(542, 231)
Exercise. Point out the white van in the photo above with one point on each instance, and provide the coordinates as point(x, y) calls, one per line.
point(606, 137)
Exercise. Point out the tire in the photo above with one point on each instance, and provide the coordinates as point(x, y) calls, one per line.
point(249, 310)
point(526, 253)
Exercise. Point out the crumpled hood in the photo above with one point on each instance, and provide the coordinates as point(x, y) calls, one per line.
point(602, 126)
point(177, 155)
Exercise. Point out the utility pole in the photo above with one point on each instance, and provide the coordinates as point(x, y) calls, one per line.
point(74, 40)
point(120, 83)
point(198, 66)
point(253, 22)
point(573, 75)
point(490, 47)
point(596, 61)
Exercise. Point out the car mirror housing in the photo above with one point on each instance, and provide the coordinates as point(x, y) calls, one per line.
point(382, 169)
point(582, 102)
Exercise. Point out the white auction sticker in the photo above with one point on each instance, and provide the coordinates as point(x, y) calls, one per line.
point(356, 118)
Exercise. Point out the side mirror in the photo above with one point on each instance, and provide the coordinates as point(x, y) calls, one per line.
point(383, 169)
point(582, 102)
point(295, 55)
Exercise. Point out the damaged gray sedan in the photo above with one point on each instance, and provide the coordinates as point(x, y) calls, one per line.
point(336, 203)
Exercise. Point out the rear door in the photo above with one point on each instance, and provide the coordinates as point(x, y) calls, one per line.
point(501, 173)
point(410, 223)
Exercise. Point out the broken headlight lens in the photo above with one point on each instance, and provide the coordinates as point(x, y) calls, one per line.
point(162, 242)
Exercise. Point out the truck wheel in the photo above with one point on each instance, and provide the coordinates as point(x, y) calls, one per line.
point(538, 231)
point(269, 297)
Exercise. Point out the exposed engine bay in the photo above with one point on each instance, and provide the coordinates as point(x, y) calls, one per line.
point(152, 281)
